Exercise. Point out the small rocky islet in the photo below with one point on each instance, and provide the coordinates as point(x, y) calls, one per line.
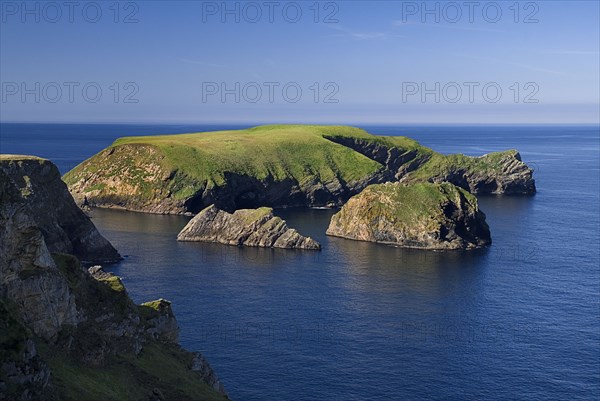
point(244, 227)
point(422, 215)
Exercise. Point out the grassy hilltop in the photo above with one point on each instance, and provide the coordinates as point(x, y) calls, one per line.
point(272, 165)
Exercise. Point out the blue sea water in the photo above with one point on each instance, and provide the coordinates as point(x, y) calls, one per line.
point(358, 321)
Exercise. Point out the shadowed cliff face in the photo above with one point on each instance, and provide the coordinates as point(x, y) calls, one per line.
point(66, 229)
point(28, 275)
point(279, 166)
point(68, 333)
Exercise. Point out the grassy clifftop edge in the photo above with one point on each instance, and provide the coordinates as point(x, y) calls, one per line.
point(163, 173)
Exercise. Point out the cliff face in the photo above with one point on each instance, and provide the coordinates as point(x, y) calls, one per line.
point(245, 227)
point(72, 334)
point(275, 166)
point(28, 275)
point(423, 215)
point(66, 229)
point(495, 173)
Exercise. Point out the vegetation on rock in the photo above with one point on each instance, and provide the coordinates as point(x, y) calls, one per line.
point(272, 165)
point(421, 215)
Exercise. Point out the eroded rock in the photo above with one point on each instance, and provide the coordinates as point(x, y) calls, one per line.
point(245, 227)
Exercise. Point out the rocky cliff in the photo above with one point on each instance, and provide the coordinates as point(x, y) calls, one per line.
point(421, 215)
point(66, 229)
point(244, 227)
point(69, 333)
point(495, 173)
point(276, 166)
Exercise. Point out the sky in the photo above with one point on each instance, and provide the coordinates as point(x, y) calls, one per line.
point(343, 62)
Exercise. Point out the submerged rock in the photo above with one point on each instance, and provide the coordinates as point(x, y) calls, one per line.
point(422, 215)
point(245, 227)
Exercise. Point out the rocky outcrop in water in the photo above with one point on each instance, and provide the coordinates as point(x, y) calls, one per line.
point(421, 215)
point(66, 229)
point(69, 333)
point(245, 227)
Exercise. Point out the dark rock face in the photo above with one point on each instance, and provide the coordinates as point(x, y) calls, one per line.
point(245, 227)
point(245, 192)
point(501, 173)
point(423, 215)
point(66, 229)
point(397, 161)
point(201, 365)
point(77, 314)
point(28, 275)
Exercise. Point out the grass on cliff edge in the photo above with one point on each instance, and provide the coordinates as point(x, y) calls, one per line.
point(410, 204)
point(129, 377)
point(300, 152)
point(278, 150)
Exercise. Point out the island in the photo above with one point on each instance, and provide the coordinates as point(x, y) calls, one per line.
point(421, 215)
point(276, 166)
point(244, 227)
point(70, 332)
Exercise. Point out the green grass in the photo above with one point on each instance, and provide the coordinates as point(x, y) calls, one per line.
point(279, 151)
point(123, 376)
point(128, 377)
point(297, 152)
point(144, 169)
point(114, 283)
point(439, 165)
point(419, 202)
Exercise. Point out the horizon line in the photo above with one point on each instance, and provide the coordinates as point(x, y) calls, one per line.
point(256, 123)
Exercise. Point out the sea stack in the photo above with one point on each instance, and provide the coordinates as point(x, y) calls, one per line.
point(423, 215)
point(245, 227)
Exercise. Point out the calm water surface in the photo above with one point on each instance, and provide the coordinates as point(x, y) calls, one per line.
point(359, 321)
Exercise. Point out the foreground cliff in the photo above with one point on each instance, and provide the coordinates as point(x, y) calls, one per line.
point(422, 215)
point(276, 165)
point(69, 333)
point(66, 229)
point(244, 227)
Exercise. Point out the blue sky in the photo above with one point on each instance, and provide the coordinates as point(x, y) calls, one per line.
point(372, 62)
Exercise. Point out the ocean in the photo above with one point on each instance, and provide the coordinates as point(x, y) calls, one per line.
point(360, 321)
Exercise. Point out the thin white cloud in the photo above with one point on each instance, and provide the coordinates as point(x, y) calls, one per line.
point(574, 52)
point(199, 62)
point(344, 32)
point(454, 26)
point(521, 65)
